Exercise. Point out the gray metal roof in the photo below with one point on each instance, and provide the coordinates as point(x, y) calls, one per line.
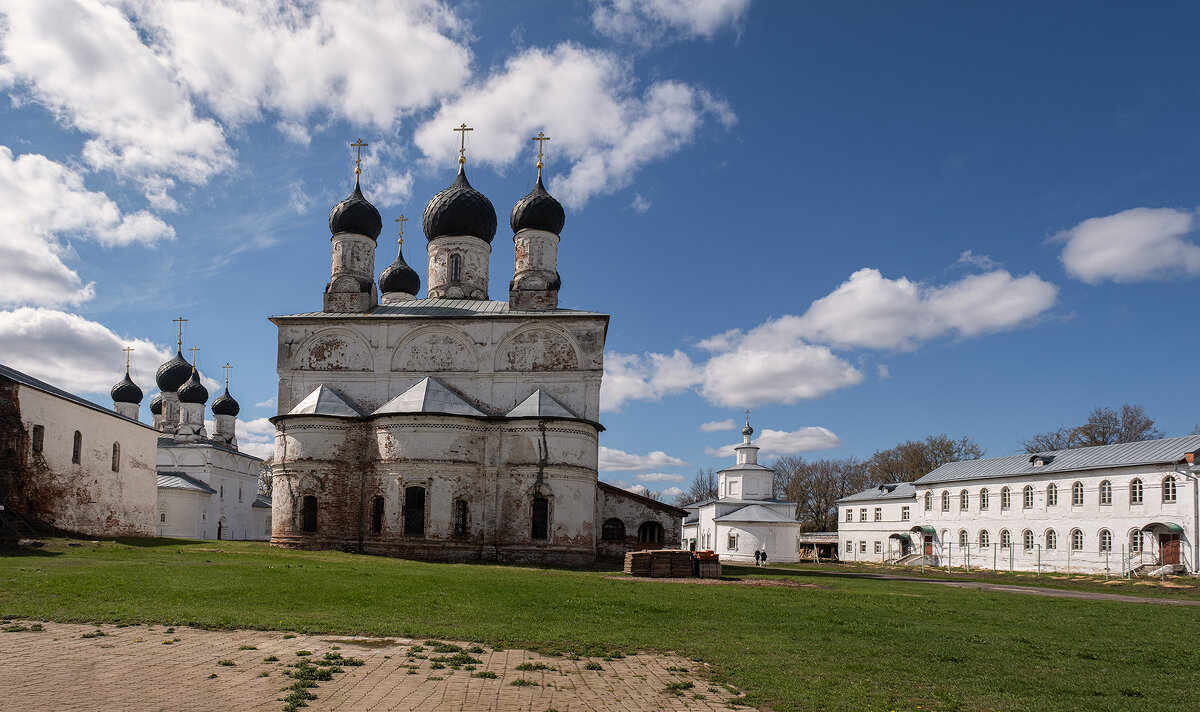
point(746, 466)
point(756, 514)
point(428, 395)
point(540, 404)
point(170, 441)
point(731, 500)
point(262, 500)
point(325, 401)
point(178, 480)
point(438, 308)
point(818, 537)
point(11, 374)
point(896, 490)
point(1148, 452)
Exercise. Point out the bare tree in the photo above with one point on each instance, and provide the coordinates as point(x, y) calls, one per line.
point(264, 479)
point(913, 459)
point(816, 487)
point(704, 486)
point(1104, 426)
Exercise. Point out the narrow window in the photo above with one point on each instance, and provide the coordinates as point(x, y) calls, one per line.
point(945, 501)
point(414, 511)
point(652, 533)
point(222, 490)
point(377, 515)
point(1077, 494)
point(928, 501)
point(878, 547)
point(1051, 539)
point(879, 514)
point(461, 517)
point(1169, 493)
point(905, 514)
point(613, 530)
point(849, 547)
point(1105, 492)
point(239, 493)
point(1076, 540)
point(455, 268)
point(1027, 540)
point(983, 537)
point(76, 448)
point(1051, 495)
point(1135, 541)
point(39, 436)
point(862, 514)
point(1027, 497)
point(116, 457)
point(1105, 541)
point(963, 500)
point(1005, 539)
point(983, 499)
point(1005, 498)
point(541, 519)
point(162, 517)
point(308, 514)
point(962, 537)
point(1135, 491)
point(731, 544)
point(849, 514)
point(862, 547)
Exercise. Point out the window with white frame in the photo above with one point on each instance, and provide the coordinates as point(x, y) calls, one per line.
point(1105, 541)
point(1135, 541)
point(849, 547)
point(878, 547)
point(962, 538)
point(983, 499)
point(1005, 498)
point(1105, 492)
point(1027, 497)
point(862, 547)
point(945, 501)
point(1005, 539)
point(731, 543)
point(1077, 494)
point(879, 514)
point(964, 501)
point(984, 539)
point(1169, 492)
point(1076, 540)
point(928, 501)
point(1136, 491)
point(905, 514)
point(1027, 539)
point(1051, 539)
point(849, 514)
point(1051, 495)
point(862, 514)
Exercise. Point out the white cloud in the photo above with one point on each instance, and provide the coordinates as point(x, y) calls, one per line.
point(268, 403)
point(660, 477)
point(74, 353)
point(761, 367)
point(645, 21)
point(883, 372)
point(783, 442)
point(256, 437)
point(640, 203)
point(43, 205)
point(871, 311)
point(612, 459)
point(647, 377)
point(983, 262)
point(1138, 245)
point(671, 492)
point(713, 426)
point(584, 100)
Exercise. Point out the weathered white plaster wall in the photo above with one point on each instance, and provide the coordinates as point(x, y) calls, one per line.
point(234, 476)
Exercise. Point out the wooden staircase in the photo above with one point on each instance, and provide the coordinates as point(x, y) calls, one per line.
point(12, 526)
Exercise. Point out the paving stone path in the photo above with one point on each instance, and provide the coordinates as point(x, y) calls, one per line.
point(152, 668)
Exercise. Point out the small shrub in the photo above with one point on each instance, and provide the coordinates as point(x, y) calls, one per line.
point(676, 668)
point(475, 649)
point(593, 665)
point(456, 659)
point(264, 673)
point(485, 674)
point(15, 628)
point(302, 653)
point(289, 636)
point(436, 666)
point(468, 667)
point(271, 659)
point(36, 627)
point(307, 672)
point(225, 662)
point(523, 667)
point(337, 659)
point(93, 634)
point(522, 682)
point(677, 687)
point(247, 647)
point(443, 647)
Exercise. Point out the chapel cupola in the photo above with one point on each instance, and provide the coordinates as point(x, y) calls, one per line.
point(399, 282)
point(746, 479)
point(169, 378)
point(225, 410)
point(156, 411)
point(459, 223)
point(354, 225)
point(127, 397)
point(536, 221)
point(192, 397)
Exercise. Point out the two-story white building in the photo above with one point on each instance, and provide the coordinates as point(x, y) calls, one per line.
point(1115, 508)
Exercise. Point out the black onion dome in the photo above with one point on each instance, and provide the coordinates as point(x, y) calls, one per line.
point(156, 405)
point(356, 215)
point(193, 391)
point(399, 277)
point(538, 210)
point(225, 404)
point(126, 391)
point(173, 374)
point(460, 210)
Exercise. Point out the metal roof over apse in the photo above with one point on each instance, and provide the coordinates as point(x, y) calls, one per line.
point(325, 401)
point(756, 514)
point(429, 396)
point(540, 404)
point(1147, 452)
point(178, 480)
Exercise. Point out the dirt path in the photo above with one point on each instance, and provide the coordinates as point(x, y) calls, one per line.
point(155, 668)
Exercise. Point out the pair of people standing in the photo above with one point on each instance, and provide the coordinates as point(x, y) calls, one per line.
point(760, 558)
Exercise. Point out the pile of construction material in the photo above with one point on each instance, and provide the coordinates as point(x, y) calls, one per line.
point(671, 563)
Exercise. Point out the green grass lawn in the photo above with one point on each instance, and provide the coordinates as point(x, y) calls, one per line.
point(846, 643)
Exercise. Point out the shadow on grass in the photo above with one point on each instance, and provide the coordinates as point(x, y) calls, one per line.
point(12, 552)
point(152, 542)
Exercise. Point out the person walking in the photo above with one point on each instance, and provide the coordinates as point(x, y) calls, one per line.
point(764, 557)
point(757, 554)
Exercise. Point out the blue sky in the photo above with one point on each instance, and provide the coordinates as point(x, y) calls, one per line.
point(867, 222)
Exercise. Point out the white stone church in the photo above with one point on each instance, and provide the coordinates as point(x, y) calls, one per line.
point(450, 427)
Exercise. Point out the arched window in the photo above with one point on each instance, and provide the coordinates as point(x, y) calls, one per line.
point(984, 540)
point(928, 501)
point(162, 517)
point(1135, 541)
point(652, 533)
point(1169, 491)
point(730, 542)
point(1005, 498)
point(1027, 539)
point(462, 520)
point(1135, 491)
point(455, 268)
point(1027, 497)
point(239, 493)
point(1077, 494)
point(962, 537)
point(1051, 495)
point(308, 514)
point(414, 511)
point(613, 530)
point(1105, 540)
point(983, 498)
point(116, 458)
point(963, 500)
point(1005, 539)
point(540, 526)
point(377, 514)
point(1076, 540)
point(945, 501)
point(1105, 492)
point(1051, 539)
point(76, 448)
point(222, 490)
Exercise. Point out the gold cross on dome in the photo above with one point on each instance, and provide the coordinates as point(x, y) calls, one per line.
point(358, 146)
point(227, 368)
point(401, 220)
point(180, 321)
point(127, 350)
point(194, 349)
point(541, 138)
point(462, 148)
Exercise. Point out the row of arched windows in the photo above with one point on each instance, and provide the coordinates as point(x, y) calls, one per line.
point(76, 447)
point(1050, 540)
point(648, 532)
point(1170, 494)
